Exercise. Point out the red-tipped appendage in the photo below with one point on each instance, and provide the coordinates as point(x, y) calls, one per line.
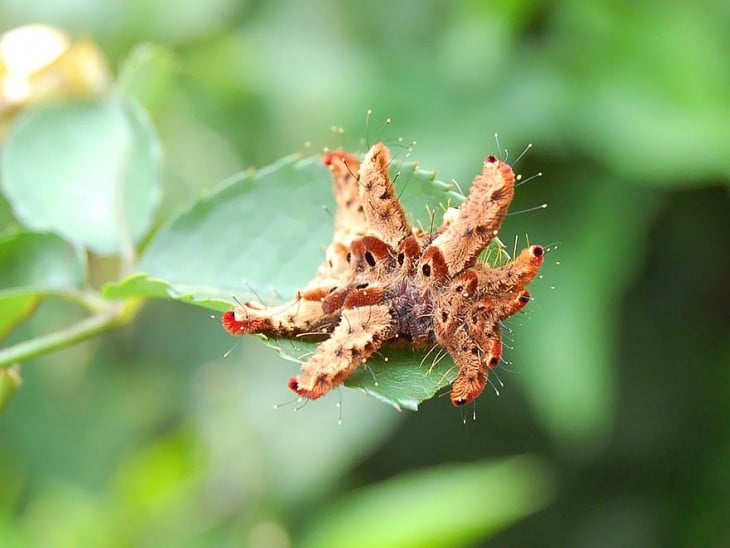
point(537, 254)
point(521, 299)
point(494, 351)
point(230, 324)
point(332, 156)
point(244, 325)
point(337, 157)
point(309, 394)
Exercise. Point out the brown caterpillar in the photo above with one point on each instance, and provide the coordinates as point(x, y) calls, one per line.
point(383, 279)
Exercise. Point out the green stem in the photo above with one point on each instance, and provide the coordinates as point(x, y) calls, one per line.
point(101, 322)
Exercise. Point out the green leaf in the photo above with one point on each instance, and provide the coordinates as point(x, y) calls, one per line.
point(7, 222)
point(422, 195)
point(14, 309)
point(658, 117)
point(265, 230)
point(404, 377)
point(39, 262)
point(89, 171)
point(10, 382)
point(140, 285)
point(443, 506)
point(33, 265)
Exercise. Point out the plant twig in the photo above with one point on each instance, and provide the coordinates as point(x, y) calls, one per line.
point(106, 320)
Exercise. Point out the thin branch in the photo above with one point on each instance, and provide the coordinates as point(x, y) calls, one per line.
point(111, 318)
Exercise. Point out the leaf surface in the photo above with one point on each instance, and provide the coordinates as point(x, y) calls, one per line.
point(87, 170)
point(442, 506)
point(34, 265)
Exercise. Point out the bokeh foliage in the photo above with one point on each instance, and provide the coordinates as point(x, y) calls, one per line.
point(619, 380)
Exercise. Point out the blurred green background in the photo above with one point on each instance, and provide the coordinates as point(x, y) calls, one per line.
point(619, 381)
